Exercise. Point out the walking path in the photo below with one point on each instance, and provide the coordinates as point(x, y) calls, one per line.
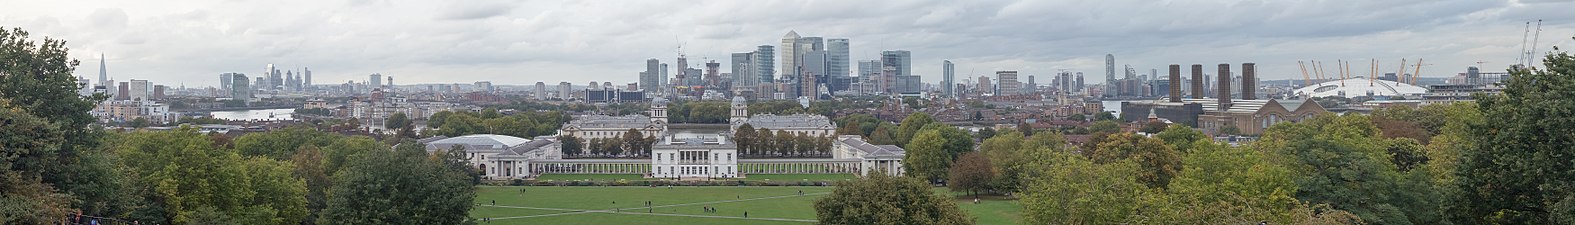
point(620, 211)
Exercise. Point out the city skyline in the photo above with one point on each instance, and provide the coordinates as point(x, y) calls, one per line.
point(521, 44)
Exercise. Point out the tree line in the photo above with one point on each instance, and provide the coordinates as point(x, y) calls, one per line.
point(762, 142)
point(633, 144)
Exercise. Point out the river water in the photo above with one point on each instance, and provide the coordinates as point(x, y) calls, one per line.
point(256, 114)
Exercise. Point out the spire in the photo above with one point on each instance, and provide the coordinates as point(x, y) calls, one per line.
point(103, 74)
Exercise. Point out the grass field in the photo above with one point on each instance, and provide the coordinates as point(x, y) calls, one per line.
point(676, 205)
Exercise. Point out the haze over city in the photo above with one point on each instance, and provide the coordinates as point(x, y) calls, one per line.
point(520, 43)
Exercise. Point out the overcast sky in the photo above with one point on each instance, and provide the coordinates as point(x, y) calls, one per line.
point(508, 42)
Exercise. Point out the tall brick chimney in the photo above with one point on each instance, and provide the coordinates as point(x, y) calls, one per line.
point(1175, 83)
point(1249, 81)
point(1224, 87)
point(1197, 81)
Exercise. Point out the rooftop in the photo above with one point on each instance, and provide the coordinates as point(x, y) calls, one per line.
point(490, 140)
point(776, 122)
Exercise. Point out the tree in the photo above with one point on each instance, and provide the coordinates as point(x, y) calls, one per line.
point(1181, 137)
point(986, 133)
point(572, 146)
point(1159, 162)
point(882, 136)
point(1341, 161)
point(184, 176)
point(1234, 185)
point(38, 77)
point(281, 144)
point(766, 141)
point(1519, 169)
point(1107, 126)
point(309, 167)
point(884, 199)
point(1025, 128)
point(927, 159)
point(910, 126)
point(1077, 117)
point(396, 121)
point(1104, 115)
point(429, 192)
point(633, 141)
point(972, 173)
point(745, 138)
point(1152, 127)
point(1075, 190)
point(139, 122)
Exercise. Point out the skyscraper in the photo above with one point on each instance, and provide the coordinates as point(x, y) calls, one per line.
point(140, 90)
point(765, 65)
point(103, 72)
point(648, 79)
point(948, 76)
point(742, 67)
point(307, 84)
point(224, 81)
point(239, 88)
point(541, 90)
point(375, 80)
point(789, 50)
point(1110, 75)
point(868, 69)
point(902, 59)
point(837, 57)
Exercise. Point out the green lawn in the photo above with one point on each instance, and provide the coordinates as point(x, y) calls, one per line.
point(676, 205)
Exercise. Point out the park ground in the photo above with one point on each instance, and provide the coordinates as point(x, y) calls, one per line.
point(679, 205)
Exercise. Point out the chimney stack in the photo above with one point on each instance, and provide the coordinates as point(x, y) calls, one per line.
point(1224, 87)
point(1249, 81)
point(1197, 81)
point(1175, 83)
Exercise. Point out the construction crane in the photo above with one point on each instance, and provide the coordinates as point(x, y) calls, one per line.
point(1418, 72)
point(1530, 58)
point(1304, 73)
point(1400, 76)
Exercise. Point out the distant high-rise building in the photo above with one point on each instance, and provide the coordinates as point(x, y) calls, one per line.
point(375, 80)
point(902, 59)
point(742, 67)
point(649, 79)
point(790, 50)
point(239, 88)
point(541, 90)
point(390, 83)
point(985, 87)
point(764, 63)
point(565, 90)
point(103, 72)
point(140, 90)
point(1110, 70)
point(483, 86)
point(1080, 84)
point(712, 79)
point(158, 92)
point(837, 58)
point(225, 80)
point(948, 76)
point(664, 80)
point(1008, 82)
point(684, 76)
point(869, 69)
point(307, 84)
point(123, 92)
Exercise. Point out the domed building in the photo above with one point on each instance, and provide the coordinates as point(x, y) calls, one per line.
point(1355, 87)
point(498, 156)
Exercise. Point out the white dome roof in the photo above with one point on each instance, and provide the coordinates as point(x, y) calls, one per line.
point(1359, 87)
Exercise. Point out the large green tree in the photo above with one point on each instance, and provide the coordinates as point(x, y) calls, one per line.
point(406, 186)
point(927, 159)
point(192, 182)
point(1160, 162)
point(1522, 167)
point(972, 172)
point(911, 126)
point(36, 76)
point(1342, 161)
point(883, 199)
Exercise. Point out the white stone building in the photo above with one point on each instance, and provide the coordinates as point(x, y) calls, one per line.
point(807, 124)
point(886, 158)
point(694, 158)
point(604, 126)
point(499, 157)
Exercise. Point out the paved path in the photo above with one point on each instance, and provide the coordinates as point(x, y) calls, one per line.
point(631, 210)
